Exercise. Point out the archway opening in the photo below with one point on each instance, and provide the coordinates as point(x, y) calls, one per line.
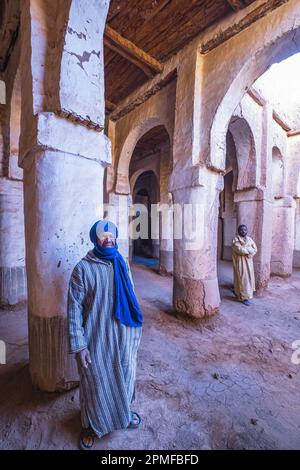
point(145, 193)
point(266, 191)
point(149, 172)
point(239, 178)
point(277, 173)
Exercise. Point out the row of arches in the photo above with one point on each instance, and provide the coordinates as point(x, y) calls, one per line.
point(148, 169)
point(241, 174)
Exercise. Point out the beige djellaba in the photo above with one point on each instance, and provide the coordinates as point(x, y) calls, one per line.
point(243, 250)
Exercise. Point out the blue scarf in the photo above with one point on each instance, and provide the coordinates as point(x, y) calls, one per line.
point(127, 309)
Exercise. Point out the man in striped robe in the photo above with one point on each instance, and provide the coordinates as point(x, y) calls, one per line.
point(104, 323)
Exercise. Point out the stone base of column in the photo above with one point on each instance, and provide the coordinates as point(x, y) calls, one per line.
point(51, 367)
point(262, 276)
point(166, 262)
point(278, 269)
point(13, 286)
point(196, 298)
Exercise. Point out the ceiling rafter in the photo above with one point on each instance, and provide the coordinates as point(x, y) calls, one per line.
point(237, 5)
point(110, 106)
point(127, 49)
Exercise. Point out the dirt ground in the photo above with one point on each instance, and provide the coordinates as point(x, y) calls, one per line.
point(227, 383)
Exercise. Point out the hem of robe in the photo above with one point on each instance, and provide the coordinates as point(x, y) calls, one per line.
point(242, 297)
point(100, 434)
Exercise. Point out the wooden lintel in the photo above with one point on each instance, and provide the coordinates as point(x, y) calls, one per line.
point(256, 96)
point(157, 84)
point(114, 41)
point(244, 23)
point(280, 121)
point(110, 106)
point(237, 5)
point(293, 133)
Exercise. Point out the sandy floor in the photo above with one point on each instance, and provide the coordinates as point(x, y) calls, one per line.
point(228, 383)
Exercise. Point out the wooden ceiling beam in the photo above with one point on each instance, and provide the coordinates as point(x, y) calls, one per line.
point(237, 5)
point(280, 121)
point(127, 49)
point(110, 106)
point(130, 103)
point(293, 133)
point(254, 15)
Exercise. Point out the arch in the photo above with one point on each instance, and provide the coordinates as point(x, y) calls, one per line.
point(135, 176)
point(122, 174)
point(152, 191)
point(283, 47)
point(277, 173)
point(146, 192)
point(240, 174)
point(245, 153)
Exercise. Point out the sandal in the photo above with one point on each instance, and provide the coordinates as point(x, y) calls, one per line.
point(135, 420)
point(86, 433)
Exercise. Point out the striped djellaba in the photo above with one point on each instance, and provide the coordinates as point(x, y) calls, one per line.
point(107, 386)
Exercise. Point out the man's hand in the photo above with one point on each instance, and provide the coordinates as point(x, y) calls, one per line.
point(84, 358)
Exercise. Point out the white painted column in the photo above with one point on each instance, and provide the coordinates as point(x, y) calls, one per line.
point(283, 238)
point(255, 210)
point(12, 239)
point(63, 195)
point(296, 257)
point(12, 246)
point(195, 286)
point(166, 249)
point(195, 282)
point(63, 152)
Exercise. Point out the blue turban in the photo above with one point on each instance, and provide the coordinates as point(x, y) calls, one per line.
point(127, 309)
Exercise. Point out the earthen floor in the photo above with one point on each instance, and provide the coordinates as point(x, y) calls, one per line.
point(226, 383)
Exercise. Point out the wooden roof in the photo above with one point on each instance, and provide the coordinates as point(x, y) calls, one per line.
point(140, 35)
point(157, 28)
point(9, 25)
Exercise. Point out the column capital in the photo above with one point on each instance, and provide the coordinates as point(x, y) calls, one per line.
point(193, 176)
point(251, 194)
point(56, 133)
point(286, 201)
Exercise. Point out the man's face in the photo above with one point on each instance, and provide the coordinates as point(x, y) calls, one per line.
point(106, 239)
point(243, 230)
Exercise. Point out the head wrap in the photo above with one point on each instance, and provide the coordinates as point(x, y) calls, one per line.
point(126, 307)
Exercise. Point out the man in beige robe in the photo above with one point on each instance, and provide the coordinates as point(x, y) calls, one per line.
point(243, 250)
